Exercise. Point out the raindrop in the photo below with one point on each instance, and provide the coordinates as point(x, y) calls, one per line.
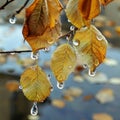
point(99, 37)
point(69, 20)
point(85, 66)
point(50, 41)
point(47, 49)
point(60, 85)
point(49, 77)
point(20, 87)
point(76, 42)
point(52, 88)
point(12, 53)
point(91, 73)
point(34, 56)
point(34, 109)
point(72, 28)
point(12, 20)
point(84, 28)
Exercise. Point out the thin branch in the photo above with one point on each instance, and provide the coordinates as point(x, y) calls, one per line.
point(7, 2)
point(8, 52)
point(24, 5)
point(24, 51)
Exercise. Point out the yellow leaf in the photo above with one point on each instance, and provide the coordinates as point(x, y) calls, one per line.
point(105, 2)
point(35, 84)
point(63, 62)
point(91, 47)
point(89, 8)
point(42, 24)
point(74, 16)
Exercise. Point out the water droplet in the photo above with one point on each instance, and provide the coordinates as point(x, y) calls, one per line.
point(12, 53)
point(85, 66)
point(50, 41)
point(60, 85)
point(34, 56)
point(20, 87)
point(96, 62)
point(47, 49)
point(76, 42)
point(12, 20)
point(52, 88)
point(34, 109)
point(72, 28)
point(99, 37)
point(83, 28)
point(91, 73)
point(69, 20)
point(49, 77)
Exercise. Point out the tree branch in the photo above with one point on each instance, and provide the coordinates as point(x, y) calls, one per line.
point(7, 2)
point(24, 51)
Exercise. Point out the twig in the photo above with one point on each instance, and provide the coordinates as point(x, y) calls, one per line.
point(8, 52)
point(24, 5)
point(7, 2)
point(24, 51)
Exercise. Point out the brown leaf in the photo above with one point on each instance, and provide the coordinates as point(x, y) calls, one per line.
point(63, 62)
point(89, 9)
point(35, 84)
point(74, 16)
point(42, 25)
point(90, 46)
point(105, 2)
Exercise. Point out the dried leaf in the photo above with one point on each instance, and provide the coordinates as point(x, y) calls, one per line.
point(42, 25)
point(12, 85)
point(91, 47)
point(89, 9)
point(58, 103)
point(102, 116)
point(74, 16)
point(63, 62)
point(105, 2)
point(35, 84)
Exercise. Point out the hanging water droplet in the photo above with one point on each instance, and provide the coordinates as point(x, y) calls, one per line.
point(99, 37)
point(76, 42)
point(85, 66)
point(20, 87)
point(72, 28)
point(12, 53)
point(52, 88)
point(49, 77)
point(91, 73)
point(60, 85)
point(47, 49)
point(34, 56)
point(34, 109)
point(12, 20)
point(69, 20)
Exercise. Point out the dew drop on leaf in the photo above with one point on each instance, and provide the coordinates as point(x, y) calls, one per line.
point(34, 56)
point(72, 28)
point(34, 109)
point(76, 42)
point(85, 66)
point(47, 49)
point(99, 37)
point(20, 87)
point(12, 20)
point(52, 88)
point(60, 85)
point(91, 73)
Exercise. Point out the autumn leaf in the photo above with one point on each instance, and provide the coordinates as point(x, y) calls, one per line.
point(63, 62)
point(74, 16)
point(105, 2)
point(42, 24)
point(89, 9)
point(91, 47)
point(35, 84)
